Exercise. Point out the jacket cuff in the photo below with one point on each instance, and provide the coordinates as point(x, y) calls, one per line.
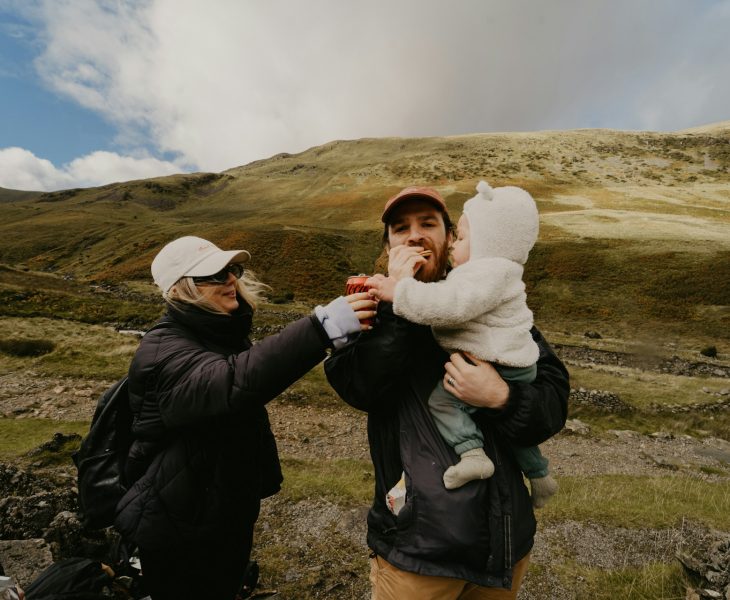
point(338, 320)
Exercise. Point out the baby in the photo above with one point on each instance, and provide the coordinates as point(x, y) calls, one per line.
point(481, 309)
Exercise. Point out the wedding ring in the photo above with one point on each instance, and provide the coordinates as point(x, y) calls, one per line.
point(451, 381)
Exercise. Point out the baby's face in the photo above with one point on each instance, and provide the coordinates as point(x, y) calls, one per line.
point(460, 248)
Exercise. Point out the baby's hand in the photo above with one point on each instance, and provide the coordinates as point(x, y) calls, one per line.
point(381, 287)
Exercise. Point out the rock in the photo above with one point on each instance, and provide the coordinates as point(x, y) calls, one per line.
point(576, 426)
point(660, 461)
point(624, 434)
point(662, 435)
point(709, 567)
point(600, 399)
point(67, 537)
point(718, 454)
point(692, 595)
point(710, 351)
point(56, 443)
point(24, 559)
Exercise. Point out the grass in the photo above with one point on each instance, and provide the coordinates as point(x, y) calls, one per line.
point(313, 390)
point(80, 350)
point(696, 424)
point(84, 308)
point(345, 482)
point(19, 436)
point(652, 581)
point(642, 388)
point(629, 501)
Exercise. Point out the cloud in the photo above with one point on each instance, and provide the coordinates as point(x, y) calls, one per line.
point(20, 169)
point(220, 84)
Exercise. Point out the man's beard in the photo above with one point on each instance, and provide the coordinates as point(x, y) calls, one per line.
point(435, 268)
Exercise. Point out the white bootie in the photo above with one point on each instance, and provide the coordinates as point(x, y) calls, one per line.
point(474, 464)
point(542, 489)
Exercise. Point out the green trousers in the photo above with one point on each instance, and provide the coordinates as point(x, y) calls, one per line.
point(454, 422)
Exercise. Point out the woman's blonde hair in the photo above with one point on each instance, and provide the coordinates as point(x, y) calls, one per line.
point(247, 286)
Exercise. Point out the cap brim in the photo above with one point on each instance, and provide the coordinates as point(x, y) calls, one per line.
point(215, 262)
point(399, 200)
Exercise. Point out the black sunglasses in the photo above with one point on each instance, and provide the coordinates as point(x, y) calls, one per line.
point(221, 276)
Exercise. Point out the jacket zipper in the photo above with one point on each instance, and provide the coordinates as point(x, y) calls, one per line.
point(507, 542)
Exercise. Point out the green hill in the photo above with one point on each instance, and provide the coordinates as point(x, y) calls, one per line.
point(635, 226)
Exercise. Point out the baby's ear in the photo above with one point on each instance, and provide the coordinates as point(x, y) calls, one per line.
point(485, 190)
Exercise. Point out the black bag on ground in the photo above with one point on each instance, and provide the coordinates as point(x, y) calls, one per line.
point(101, 456)
point(71, 579)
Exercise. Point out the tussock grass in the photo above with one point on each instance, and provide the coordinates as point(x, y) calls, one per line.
point(328, 566)
point(652, 581)
point(79, 350)
point(629, 501)
point(18, 436)
point(692, 423)
point(345, 482)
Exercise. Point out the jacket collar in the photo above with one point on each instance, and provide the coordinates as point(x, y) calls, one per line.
point(223, 333)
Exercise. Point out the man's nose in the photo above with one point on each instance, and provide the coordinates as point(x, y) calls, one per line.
point(415, 235)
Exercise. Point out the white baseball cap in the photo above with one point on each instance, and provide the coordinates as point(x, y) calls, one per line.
point(191, 256)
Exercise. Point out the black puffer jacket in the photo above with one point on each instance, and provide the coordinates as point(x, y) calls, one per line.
point(204, 454)
point(478, 531)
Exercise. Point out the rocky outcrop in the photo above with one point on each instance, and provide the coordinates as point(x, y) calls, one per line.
point(39, 524)
point(599, 399)
point(709, 569)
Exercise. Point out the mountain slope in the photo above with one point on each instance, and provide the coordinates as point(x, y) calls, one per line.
point(635, 226)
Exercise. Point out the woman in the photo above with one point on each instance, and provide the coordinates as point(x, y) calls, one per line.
point(203, 454)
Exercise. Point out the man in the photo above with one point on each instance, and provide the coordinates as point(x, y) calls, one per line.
point(473, 542)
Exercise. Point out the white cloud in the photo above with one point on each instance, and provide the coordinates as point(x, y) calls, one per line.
point(20, 169)
point(226, 82)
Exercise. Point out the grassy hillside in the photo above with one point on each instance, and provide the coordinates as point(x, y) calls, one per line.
point(635, 226)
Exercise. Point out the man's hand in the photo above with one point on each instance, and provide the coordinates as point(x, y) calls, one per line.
point(404, 261)
point(364, 307)
point(479, 384)
point(381, 287)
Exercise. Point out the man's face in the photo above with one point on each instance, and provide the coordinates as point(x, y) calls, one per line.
point(418, 222)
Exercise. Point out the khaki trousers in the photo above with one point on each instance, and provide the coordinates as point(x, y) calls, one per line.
point(391, 583)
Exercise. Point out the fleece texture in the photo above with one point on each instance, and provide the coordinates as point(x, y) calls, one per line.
point(503, 222)
point(480, 307)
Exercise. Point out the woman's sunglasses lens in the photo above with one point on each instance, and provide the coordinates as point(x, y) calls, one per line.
point(222, 275)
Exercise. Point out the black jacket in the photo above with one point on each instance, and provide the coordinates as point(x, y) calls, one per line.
point(204, 454)
point(478, 531)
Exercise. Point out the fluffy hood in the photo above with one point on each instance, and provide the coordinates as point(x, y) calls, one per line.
point(503, 222)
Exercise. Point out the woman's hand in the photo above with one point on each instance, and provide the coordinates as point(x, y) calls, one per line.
point(478, 384)
point(381, 287)
point(364, 307)
point(404, 261)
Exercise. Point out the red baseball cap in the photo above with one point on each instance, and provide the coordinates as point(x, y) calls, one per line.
point(415, 191)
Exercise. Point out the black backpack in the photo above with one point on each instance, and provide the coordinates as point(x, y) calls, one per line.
point(102, 455)
point(71, 579)
point(100, 458)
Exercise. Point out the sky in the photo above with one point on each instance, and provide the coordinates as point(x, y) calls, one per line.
point(98, 91)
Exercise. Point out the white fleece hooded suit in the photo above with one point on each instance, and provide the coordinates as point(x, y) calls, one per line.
point(481, 306)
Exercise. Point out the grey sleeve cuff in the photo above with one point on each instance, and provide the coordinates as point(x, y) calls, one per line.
point(338, 320)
